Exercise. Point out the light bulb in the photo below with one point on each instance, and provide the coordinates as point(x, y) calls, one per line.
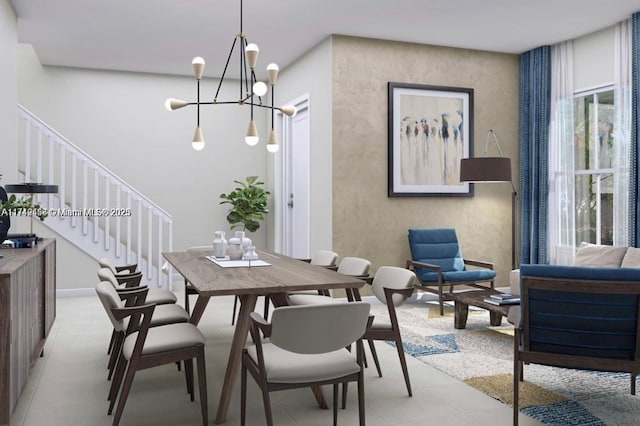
point(272, 143)
point(289, 110)
point(259, 88)
point(252, 137)
point(272, 72)
point(172, 104)
point(198, 140)
point(198, 67)
point(251, 52)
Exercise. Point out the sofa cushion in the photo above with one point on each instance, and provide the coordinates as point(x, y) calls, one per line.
point(599, 256)
point(631, 258)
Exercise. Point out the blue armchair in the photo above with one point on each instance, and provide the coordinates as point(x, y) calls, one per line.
point(577, 317)
point(437, 260)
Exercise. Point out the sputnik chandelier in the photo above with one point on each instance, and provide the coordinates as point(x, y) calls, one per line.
point(250, 89)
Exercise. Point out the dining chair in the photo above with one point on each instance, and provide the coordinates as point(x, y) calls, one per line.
point(353, 266)
point(162, 315)
point(392, 286)
point(145, 347)
point(118, 269)
point(437, 260)
point(159, 296)
point(128, 280)
point(306, 347)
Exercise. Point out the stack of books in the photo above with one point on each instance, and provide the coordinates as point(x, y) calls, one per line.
point(503, 299)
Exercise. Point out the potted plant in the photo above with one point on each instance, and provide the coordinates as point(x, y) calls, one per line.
point(248, 207)
point(249, 204)
point(14, 206)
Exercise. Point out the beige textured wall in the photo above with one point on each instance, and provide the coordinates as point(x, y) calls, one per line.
point(366, 223)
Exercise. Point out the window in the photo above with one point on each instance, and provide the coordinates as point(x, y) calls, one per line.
point(594, 166)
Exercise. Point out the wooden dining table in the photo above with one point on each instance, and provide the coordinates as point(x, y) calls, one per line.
point(283, 274)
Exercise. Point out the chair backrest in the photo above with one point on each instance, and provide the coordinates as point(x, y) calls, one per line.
point(438, 247)
point(106, 274)
point(355, 266)
point(392, 277)
point(314, 329)
point(580, 311)
point(324, 258)
point(110, 300)
point(106, 263)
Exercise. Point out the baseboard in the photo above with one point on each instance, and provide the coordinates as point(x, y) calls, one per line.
point(75, 292)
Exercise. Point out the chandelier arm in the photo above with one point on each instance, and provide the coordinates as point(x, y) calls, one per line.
point(233, 45)
point(198, 105)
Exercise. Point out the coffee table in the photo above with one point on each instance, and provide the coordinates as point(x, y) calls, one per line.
point(463, 299)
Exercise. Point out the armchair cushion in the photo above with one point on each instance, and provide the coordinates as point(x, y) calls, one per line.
point(165, 338)
point(468, 275)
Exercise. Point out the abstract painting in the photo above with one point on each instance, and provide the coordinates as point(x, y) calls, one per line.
point(430, 131)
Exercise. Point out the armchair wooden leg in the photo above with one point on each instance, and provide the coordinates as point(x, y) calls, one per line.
point(361, 412)
point(633, 383)
point(115, 353)
point(115, 383)
point(345, 386)
point(440, 299)
point(111, 342)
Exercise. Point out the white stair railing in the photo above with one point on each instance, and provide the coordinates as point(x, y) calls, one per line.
point(94, 209)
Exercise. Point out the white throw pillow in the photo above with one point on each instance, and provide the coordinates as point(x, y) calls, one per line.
point(631, 258)
point(599, 256)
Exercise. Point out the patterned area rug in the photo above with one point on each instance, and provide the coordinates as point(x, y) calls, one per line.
point(482, 356)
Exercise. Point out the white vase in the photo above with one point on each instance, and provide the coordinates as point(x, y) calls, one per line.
point(219, 245)
point(244, 241)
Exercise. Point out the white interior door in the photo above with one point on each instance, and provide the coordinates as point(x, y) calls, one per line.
point(295, 183)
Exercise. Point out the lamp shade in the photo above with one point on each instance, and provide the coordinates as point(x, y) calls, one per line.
point(31, 188)
point(485, 169)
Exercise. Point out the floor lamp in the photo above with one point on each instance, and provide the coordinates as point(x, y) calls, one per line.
point(493, 169)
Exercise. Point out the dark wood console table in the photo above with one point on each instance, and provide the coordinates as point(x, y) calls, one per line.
point(27, 312)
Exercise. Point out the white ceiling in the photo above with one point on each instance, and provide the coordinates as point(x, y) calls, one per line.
point(162, 36)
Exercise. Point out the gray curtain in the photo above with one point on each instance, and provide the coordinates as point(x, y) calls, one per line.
point(535, 110)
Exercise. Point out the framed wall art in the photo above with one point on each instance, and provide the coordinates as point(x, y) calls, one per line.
point(430, 131)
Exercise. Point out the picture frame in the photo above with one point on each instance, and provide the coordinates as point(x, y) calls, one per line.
point(430, 131)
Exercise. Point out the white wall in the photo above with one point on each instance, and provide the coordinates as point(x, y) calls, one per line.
point(119, 119)
point(311, 74)
point(593, 64)
point(8, 99)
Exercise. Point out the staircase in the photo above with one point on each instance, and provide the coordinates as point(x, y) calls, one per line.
point(94, 209)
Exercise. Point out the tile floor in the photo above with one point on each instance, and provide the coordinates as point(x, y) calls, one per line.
point(68, 385)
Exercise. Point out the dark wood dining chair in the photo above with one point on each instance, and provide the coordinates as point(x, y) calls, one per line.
point(306, 347)
point(146, 347)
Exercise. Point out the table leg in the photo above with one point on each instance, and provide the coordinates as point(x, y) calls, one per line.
point(495, 318)
point(460, 315)
point(198, 310)
point(247, 305)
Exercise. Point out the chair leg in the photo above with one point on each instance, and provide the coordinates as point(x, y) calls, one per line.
point(115, 383)
point(188, 374)
point(235, 307)
point(403, 363)
point(267, 406)
point(335, 403)
point(186, 296)
point(243, 395)
point(266, 306)
point(111, 342)
point(440, 299)
point(344, 394)
point(517, 371)
point(374, 355)
point(633, 383)
point(126, 387)
point(361, 413)
point(202, 386)
point(115, 353)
